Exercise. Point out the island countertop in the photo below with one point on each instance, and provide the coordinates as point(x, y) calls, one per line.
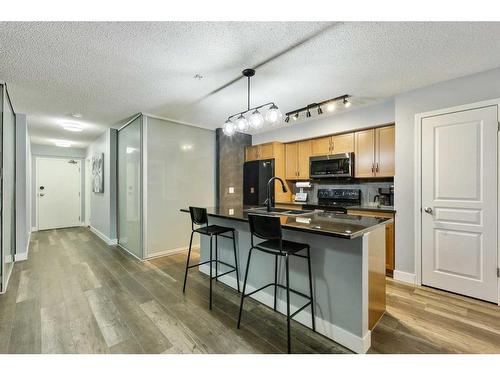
point(318, 222)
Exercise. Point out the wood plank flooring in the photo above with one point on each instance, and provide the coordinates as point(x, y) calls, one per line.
point(77, 295)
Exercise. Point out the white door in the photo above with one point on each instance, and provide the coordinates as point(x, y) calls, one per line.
point(58, 193)
point(460, 203)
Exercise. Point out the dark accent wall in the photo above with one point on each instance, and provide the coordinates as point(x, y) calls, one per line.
point(230, 156)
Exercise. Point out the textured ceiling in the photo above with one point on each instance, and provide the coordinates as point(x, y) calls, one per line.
point(109, 71)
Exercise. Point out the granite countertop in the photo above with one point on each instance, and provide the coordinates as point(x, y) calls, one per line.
point(317, 222)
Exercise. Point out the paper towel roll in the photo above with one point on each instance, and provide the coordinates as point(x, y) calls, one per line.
point(306, 184)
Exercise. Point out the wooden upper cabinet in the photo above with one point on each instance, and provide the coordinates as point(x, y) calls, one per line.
point(304, 153)
point(384, 151)
point(251, 153)
point(364, 153)
point(336, 144)
point(291, 160)
point(297, 160)
point(260, 152)
point(321, 146)
point(374, 152)
point(342, 143)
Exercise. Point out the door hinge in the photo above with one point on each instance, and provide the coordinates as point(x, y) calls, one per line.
point(498, 272)
point(498, 126)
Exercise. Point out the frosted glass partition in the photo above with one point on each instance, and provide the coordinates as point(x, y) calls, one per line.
point(8, 141)
point(130, 188)
point(180, 173)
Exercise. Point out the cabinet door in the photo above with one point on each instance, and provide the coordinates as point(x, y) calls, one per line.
point(266, 151)
point(342, 143)
point(389, 246)
point(321, 146)
point(251, 153)
point(304, 152)
point(384, 152)
point(291, 155)
point(364, 153)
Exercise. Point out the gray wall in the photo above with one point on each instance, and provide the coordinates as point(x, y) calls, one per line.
point(55, 152)
point(103, 205)
point(473, 88)
point(23, 187)
point(229, 172)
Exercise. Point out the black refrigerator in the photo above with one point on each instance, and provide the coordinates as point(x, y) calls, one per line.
point(256, 174)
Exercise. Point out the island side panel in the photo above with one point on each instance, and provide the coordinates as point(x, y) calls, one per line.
point(338, 281)
point(376, 276)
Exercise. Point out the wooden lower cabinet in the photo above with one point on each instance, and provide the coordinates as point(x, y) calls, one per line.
point(389, 236)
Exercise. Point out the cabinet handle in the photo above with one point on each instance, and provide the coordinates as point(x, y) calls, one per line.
point(376, 167)
point(373, 167)
point(333, 146)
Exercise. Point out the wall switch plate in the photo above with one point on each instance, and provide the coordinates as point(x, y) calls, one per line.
point(231, 190)
point(231, 211)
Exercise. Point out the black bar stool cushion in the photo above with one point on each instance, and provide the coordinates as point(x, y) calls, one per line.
point(213, 230)
point(288, 247)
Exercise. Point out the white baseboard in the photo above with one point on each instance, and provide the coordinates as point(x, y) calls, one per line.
point(34, 229)
point(349, 340)
point(405, 277)
point(109, 241)
point(163, 253)
point(21, 256)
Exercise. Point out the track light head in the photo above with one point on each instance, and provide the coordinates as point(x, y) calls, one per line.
point(320, 111)
point(296, 116)
point(308, 113)
point(287, 119)
point(346, 102)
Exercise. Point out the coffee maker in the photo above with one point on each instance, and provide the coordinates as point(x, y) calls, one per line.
point(386, 196)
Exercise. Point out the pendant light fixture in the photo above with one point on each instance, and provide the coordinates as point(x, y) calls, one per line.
point(256, 119)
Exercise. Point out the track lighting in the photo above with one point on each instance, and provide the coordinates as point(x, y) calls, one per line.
point(330, 105)
point(256, 119)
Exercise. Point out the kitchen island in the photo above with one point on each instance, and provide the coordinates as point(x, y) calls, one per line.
point(348, 268)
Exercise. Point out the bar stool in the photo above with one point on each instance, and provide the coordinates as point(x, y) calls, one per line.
point(268, 228)
point(199, 217)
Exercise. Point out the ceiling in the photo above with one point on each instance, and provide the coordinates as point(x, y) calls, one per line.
point(108, 71)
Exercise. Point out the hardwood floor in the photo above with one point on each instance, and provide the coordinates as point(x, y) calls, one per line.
point(77, 295)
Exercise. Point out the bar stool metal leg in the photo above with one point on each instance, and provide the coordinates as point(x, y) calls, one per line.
point(275, 279)
point(216, 259)
point(311, 288)
point(244, 286)
point(210, 263)
point(236, 263)
point(187, 263)
point(289, 346)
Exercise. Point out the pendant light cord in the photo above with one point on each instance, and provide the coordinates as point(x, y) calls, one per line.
point(248, 95)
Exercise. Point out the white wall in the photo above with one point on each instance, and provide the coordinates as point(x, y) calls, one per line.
point(103, 205)
point(474, 88)
point(377, 114)
point(54, 152)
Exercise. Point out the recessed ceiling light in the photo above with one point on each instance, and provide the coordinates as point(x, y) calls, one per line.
point(76, 115)
point(62, 143)
point(72, 127)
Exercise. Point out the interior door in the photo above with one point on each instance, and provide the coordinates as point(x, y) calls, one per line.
point(460, 203)
point(385, 151)
point(291, 154)
point(364, 153)
point(58, 193)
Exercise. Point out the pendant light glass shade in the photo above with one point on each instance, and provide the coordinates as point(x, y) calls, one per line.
point(228, 128)
point(256, 119)
point(273, 115)
point(242, 123)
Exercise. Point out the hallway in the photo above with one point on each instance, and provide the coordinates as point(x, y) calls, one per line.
point(77, 295)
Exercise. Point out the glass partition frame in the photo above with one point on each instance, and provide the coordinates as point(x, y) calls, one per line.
point(140, 253)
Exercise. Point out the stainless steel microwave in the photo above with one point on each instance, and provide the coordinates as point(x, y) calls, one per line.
point(332, 166)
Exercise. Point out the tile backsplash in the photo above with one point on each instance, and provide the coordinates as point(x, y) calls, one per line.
point(368, 189)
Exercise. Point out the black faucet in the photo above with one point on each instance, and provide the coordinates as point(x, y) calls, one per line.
point(269, 202)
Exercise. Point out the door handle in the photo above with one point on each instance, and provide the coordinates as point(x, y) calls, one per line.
point(428, 210)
